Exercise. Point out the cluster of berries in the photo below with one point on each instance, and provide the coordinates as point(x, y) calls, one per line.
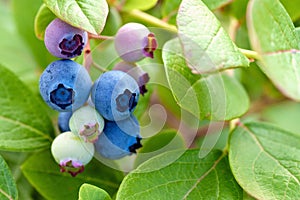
point(94, 117)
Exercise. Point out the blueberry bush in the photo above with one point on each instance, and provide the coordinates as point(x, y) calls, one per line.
point(156, 99)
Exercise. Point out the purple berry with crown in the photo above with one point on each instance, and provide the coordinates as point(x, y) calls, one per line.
point(134, 41)
point(63, 40)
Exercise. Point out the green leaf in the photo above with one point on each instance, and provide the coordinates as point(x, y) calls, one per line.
point(279, 57)
point(91, 192)
point(217, 140)
point(89, 15)
point(42, 20)
point(238, 9)
point(284, 114)
point(247, 196)
point(214, 97)
point(276, 22)
point(24, 21)
point(169, 10)
point(163, 141)
point(170, 7)
point(8, 189)
point(265, 161)
point(65, 186)
point(137, 4)
point(256, 83)
point(16, 55)
point(113, 22)
point(284, 71)
point(292, 8)
point(182, 175)
point(215, 4)
point(297, 30)
point(14, 160)
point(207, 47)
point(24, 124)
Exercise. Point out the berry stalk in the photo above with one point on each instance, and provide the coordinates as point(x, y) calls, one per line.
point(140, 15)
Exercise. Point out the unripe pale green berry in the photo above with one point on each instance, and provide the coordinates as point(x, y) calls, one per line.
point(71, 152)
point(87, 123)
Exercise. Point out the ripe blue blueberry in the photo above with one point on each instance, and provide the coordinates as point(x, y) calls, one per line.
point(87, 123)
point(134, 42)
point(63, 121)
point(63, 40)
point(119, 139)
point(139, 75)
point(65, 85)
point(73, 158)
point(115, 95)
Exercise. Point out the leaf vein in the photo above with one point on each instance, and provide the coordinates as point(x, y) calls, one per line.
point(204, 175)
point(25, 126)
point(85, 14)
point(256, 140)
point(164, 184)
point(5, 194)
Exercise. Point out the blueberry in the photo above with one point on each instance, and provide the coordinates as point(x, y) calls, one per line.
point(65, 85)
point(71, 153)
point(63, 121)
point(134, 42)
point(63, 40)
point(119, 139)
point(87, 123)
point(115, 95)
point(139, 75)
